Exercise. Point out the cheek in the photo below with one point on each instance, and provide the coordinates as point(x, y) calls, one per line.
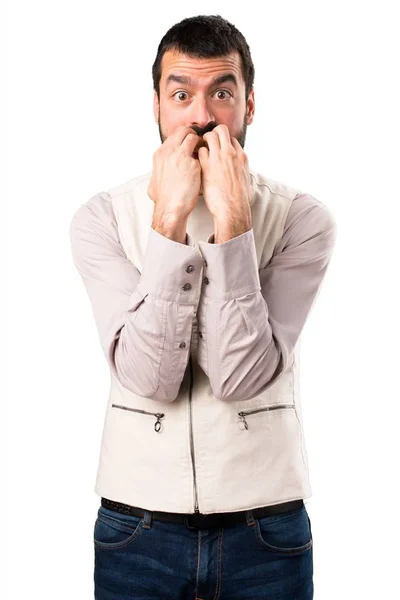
point(232, 120)
point(172, 122)
point(170, 119)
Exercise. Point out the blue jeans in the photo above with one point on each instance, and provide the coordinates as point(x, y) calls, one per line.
point(139, 558)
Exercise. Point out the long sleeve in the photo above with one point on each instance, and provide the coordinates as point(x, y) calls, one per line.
point(144, 320)
point(251, 319)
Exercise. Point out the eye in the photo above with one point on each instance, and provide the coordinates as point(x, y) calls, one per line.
point(178, 93)
point(223, 92)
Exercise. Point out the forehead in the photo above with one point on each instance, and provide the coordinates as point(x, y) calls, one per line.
point(201, 70)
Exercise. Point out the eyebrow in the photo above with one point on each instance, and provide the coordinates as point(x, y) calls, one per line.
point(183, 79)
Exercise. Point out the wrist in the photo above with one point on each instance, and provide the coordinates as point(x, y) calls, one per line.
point(227, 227)
point(170, 226)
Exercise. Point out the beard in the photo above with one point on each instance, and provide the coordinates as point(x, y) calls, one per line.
point(241, 138)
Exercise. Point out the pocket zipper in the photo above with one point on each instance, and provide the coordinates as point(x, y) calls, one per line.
point(157, 424)
point(256, 410)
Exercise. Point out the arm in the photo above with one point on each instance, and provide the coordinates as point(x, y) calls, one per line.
point(253, 318)
point(144, 320)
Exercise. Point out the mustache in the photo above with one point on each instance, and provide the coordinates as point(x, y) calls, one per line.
point(202, 130)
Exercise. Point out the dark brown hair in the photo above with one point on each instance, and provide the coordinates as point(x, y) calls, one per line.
point(205, 36)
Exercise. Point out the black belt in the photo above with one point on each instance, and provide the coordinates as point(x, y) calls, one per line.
point(199, 520)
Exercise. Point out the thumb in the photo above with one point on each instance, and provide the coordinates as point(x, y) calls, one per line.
point(150, 190)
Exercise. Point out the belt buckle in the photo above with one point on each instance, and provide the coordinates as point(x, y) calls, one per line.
point(200, 521)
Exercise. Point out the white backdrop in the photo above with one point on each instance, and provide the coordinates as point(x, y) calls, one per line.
point(80, 120)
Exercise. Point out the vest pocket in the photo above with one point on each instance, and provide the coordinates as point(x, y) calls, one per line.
point(243, 413)
point(157, 424)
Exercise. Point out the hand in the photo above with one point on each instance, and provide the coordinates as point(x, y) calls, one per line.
point(176, 178)
point(225, 175)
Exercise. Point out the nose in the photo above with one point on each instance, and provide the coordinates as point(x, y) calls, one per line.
point(200, 113)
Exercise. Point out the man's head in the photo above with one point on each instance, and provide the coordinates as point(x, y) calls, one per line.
point(203, 76)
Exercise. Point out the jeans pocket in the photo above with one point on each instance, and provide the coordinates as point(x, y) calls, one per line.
point(285, 535)
point(114, 530)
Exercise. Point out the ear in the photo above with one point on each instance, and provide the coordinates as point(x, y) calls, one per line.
point(156, 106)
point(250, 107)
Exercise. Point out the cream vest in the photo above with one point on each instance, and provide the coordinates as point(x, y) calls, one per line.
point(205, 455)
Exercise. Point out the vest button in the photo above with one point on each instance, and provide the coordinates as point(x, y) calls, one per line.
point(187, 287)
point(206, 280)
point(200, 335)
point(205, 263)
point(189, 269)
point(182, 345)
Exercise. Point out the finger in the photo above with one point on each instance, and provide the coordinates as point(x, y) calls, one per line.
point(150, 190)
point(236, 144)
point(180, 134)
point(203, 154)
point(212, 139)
point(224, 137)
point(190, 142)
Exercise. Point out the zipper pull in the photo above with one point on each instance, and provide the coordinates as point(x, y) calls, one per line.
point(241, 415)
point(157, 424)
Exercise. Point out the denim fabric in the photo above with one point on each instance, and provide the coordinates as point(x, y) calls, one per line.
point(268, 558)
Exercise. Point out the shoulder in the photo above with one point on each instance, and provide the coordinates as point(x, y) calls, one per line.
point(307, 208)
point(304, 216)
point(93, 227)
point(96, 210)
point(307, 218)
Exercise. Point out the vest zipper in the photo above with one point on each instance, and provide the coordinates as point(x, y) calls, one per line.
point(196, 503)
point(157, 424)
point(256, 410)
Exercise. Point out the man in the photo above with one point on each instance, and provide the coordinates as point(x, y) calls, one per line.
point(201, 275)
